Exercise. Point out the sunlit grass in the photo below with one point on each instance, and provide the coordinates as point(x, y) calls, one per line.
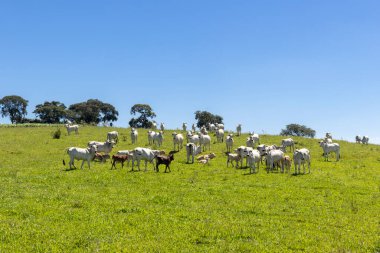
point(46, 208)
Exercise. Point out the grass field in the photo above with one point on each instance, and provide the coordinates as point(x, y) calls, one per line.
point(195, 208)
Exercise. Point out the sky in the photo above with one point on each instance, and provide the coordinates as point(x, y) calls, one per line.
point(263, 64)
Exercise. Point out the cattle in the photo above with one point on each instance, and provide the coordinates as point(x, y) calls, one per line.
point(204, 161)
point(219, 135)
point(238, 130)
point(273, 157)
point(192, 150)
point(255, 137)
point(145, 154)
point(128, 153)
point(84, 154)
point(203, 130)
point(161, 159)
point(229, 142)
point(105, 147)
point(119, 158)
point(328, 148)
point(193, 127)
point(211, 127)
point(134, 135)
point(219, 126)
point(154, 125)
point(157, 138)
point(243, 151)
point(232, 157)
point(204, 141)
point(253, 160)
point(301, 156)
point(287, 163)
point(209, 156)
point(184, 126)
point(151, 135)
point(327, 140)
point(193, 138)
point(328, 135)
point(113, 136)
point(289, 142)
point(101, 157)
point(365, 140)
point(358, 139)
point(177, 140)
point(72, 128)
point(162, 127)
point(250, 142)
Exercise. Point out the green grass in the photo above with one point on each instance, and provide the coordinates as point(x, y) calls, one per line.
point(195, 208)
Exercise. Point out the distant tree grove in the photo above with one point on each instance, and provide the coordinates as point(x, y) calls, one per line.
point(298, 130)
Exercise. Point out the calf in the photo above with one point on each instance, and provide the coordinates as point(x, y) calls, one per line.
point(101, 157)
point(192, 150)
point(233, 158)
point(118, 158)
point(162, 159)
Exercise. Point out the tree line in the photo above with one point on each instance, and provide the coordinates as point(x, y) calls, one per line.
point(94, 111)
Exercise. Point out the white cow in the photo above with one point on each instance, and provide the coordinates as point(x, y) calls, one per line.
point(231, 157)
point(365, 140)
point(243, 151)
point(145, 154)
point(328, 148)
point(84, 154)
point(193, 138)
point(192, 150)
point(238, 130)
point(229, 142)
point(219, 135)
point(327, 140)
point(71, 128)
point(105, 147)
point(204, 141)
point(358, 139)
point(154, 125)
point(250, 142)
point(134, 135)
point(219, 126)
point(162, 127)
point(193, 127)
point(211, 127)
point(289, 142)
point(177, 140)
point(273, 157)
point(301, 156)
point(184, 126)
point(157, 138)
point(151, 135)
point(253, 160)
point(113, 136)
point(255, 137)
point(328, 135)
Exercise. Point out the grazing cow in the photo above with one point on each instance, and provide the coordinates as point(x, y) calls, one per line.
point(231, 157)
point(229, 142)
point(275, 156)
point(219, 135)
point(113, 136)
point(253, 159)
point(162, 127)
point(84, 154)
point(177, 140)
point(73, 128)
point(145, 154)
point(151, 135)
point(161, 159)
point(192, 150)
point(289, 142)
point(358, 139)
point(365, 140)
point(238, 130)
point(328, 148)
point(105, 147)
point(204, 141)
point(101, 157)
point(119, 158)
point(184, 126)
point(301, 156)
point(134, 135)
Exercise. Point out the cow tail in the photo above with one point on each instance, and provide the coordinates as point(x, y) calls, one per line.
point(63, 159)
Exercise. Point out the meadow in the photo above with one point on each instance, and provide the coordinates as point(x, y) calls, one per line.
point(44, 207)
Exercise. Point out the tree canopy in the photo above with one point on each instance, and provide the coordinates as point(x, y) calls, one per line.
point(93, 111)
point(146, 113)
point(298, 130)
point(51, 112)
point(204, 118)
point(14, 107)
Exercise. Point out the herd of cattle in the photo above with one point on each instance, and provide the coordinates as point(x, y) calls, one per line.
point(273, 155)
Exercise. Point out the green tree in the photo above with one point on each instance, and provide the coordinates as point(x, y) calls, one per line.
point(14, 107)
point(93, 111)
point(298, 130)
point(146, 113)
point(51, 112)
point(204, 118)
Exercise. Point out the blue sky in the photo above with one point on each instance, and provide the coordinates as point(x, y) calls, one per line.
point(264, 64)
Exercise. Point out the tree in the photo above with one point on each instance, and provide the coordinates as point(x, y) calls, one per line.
point(14, 107)
point(204, 118)
point(93, 111)
point(298, 130)
point(51, 112)
point(145, 112)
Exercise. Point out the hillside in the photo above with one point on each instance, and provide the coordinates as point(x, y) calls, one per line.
point(46, 208)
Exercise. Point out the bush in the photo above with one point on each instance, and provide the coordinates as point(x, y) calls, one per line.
point(57, 134)
point(298, 130)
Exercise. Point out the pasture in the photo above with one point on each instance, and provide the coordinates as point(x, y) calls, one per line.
point(196, 208)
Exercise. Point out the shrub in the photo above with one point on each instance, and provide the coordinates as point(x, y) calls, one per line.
point(57, 134)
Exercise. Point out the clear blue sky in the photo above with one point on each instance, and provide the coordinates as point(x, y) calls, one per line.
point(263, 64)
